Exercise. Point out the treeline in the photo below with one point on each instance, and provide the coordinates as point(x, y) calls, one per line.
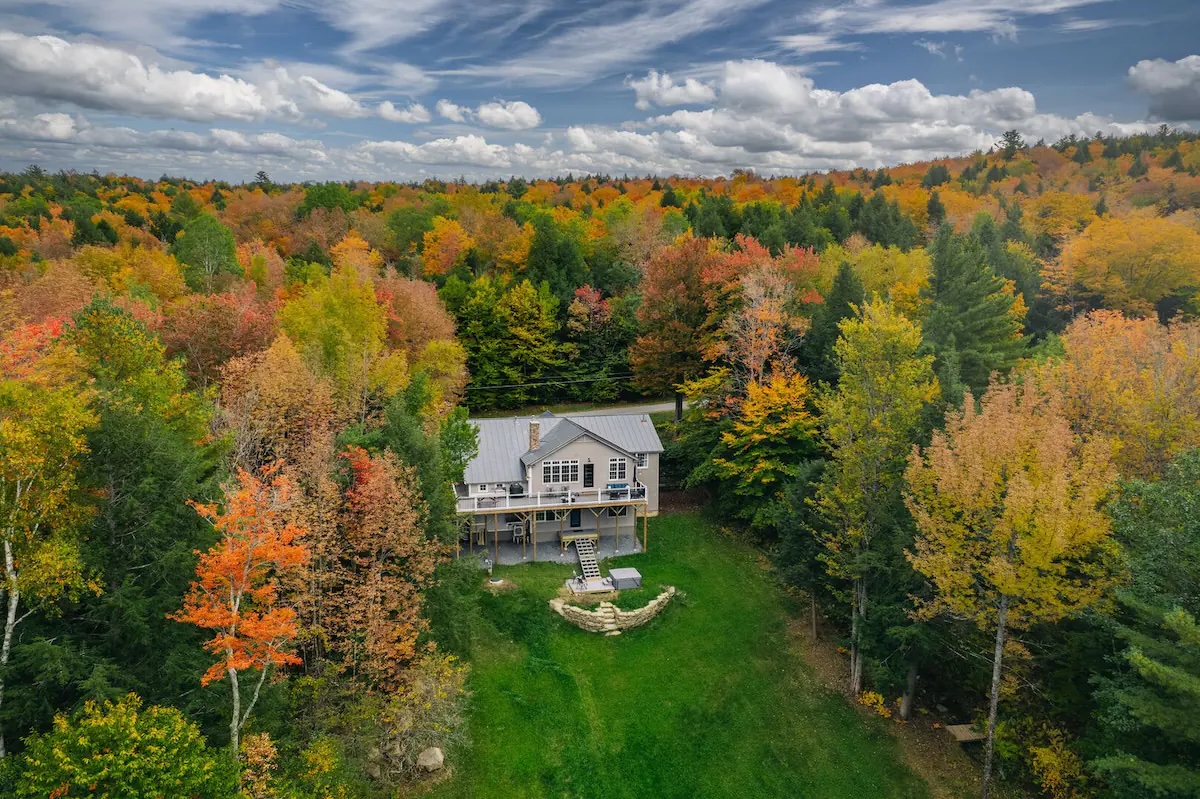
point(274, 372)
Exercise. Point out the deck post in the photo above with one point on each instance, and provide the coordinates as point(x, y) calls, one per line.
point(645, 526)
point(523, 537)
point(496, 536)
point(471, 536)
point(533, 524)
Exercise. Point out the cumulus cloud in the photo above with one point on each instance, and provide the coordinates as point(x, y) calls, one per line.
point(506, 114)
point(1173, 87)
point(510, 115)
point(658, 88)
point(415, 113)
point(106, 78)
point(452, 112)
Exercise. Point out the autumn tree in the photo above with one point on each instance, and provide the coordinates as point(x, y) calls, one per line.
point(236, 594)
point(338, 326)
point(444, 247)
point(1010, 529)
point(773, 433)
point(208, 330)
point(1136, 382)
point(870, 421)
point(671, 317)
point(385, 567)
point(122, 750)
point(1138, 265)
point(44, 418)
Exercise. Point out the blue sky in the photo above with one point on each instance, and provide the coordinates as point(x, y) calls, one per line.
point(403, 89)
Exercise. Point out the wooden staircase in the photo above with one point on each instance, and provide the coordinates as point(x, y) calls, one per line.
point(587, 558)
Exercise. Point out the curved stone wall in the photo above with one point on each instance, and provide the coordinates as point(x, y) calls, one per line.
point(609, 619)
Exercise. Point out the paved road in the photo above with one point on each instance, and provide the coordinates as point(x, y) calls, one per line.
point(622, 409)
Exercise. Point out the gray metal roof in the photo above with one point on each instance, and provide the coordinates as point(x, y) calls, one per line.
point(504, 443)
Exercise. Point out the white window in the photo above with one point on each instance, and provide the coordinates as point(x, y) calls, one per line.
point(643, 459)
point(546, 516)
point(560, 472)
point(482, 487)
point(616, 468)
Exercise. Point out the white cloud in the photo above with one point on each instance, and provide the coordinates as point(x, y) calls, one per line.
point(470, 150)
point(450, 111)
point(104, 77)
point(415, 113)
point(1173, 87)
point(510, 115)
point(585, 52)
point(815, 43)
point(505, 114)
point(658, 88)
point(933, 48)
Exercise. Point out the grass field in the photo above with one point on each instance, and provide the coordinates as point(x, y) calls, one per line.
point(708, 700)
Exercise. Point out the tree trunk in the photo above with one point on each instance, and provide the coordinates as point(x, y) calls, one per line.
point(812, 613)
point(235, 723)
point(910, 691)
point(997, 664)
point(13, 594)
point(858, 610)
point(678, 406)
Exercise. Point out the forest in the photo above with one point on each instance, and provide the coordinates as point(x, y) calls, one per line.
point(955, 403)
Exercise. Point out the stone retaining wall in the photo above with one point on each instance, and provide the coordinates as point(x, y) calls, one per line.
point(607, 618)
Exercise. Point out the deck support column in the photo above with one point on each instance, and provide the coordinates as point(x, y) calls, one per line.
point(645, 527)
point(523, 538)
point(533, 526)
point(496, 536)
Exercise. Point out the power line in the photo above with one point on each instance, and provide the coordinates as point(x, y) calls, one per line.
point(551, 382)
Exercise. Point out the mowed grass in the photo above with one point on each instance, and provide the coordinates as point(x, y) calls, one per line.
point(708, 700)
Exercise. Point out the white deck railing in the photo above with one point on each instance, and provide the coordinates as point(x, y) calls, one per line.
point(552, 499)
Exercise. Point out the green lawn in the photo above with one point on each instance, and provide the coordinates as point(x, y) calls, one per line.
point(708, 700)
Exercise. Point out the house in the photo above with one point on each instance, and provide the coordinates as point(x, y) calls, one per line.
point(554, 480)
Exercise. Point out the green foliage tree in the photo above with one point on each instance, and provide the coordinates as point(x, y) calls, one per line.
point(118, 750)
point(870, 422)
point(816, 355)
point(1146, 742)
point(974, 322)
point(331, 196)
point(207, 249)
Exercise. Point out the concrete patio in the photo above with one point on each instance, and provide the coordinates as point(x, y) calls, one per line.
point(548, 551)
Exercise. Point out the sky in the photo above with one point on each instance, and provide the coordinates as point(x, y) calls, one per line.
point(411, 89)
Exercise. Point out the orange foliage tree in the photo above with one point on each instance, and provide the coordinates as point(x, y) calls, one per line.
point(236, 591)
point(444, 246)
point(386, 564)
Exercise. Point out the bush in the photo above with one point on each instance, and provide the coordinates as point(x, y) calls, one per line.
point(119, 751)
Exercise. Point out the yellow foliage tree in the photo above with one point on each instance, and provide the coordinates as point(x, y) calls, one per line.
point(1007, 506)
point(1132, 263)
point(1136, 382)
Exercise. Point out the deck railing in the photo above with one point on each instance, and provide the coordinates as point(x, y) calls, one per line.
point(552, 499)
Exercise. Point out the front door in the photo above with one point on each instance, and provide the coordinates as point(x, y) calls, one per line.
point(589, 475)
point(576, 520)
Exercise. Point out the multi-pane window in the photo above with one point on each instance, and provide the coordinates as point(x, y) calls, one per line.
point(560, 472)
point(616, 468)
point(643, 459)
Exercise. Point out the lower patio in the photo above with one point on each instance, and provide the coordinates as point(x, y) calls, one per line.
point(511, 554)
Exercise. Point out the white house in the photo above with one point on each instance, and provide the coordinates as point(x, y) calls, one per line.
point(540, 479)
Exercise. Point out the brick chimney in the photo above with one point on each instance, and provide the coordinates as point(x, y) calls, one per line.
point(535, 434)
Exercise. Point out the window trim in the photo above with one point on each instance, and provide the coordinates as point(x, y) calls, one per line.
point(643, 460)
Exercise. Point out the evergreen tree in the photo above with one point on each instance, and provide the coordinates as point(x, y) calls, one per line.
point(816, 349)
point(936, 210)
point(972, 326)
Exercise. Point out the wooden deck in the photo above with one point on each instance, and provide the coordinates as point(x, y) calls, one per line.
point(964, 733)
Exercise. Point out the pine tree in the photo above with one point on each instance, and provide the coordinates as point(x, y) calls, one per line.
point(936, 210)
point(975, 318)
point(816, 349)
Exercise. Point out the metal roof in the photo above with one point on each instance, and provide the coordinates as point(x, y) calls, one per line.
point(504, 443)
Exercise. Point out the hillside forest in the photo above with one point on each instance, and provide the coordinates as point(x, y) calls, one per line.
point(956, 402)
